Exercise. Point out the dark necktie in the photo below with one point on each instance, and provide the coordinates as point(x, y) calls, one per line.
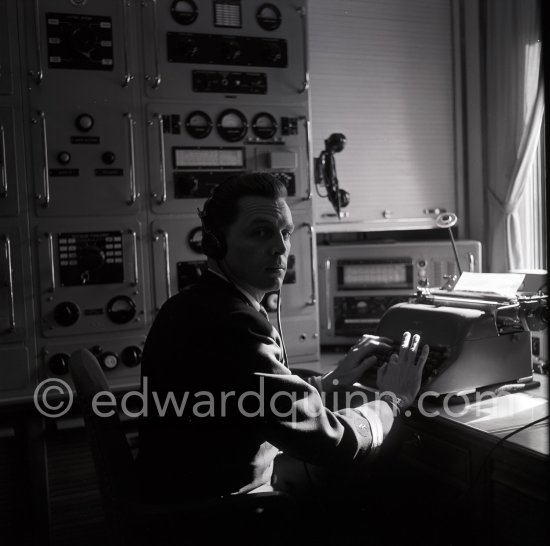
point(275, 335)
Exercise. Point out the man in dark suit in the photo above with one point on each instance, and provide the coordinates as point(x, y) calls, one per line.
point(213, 350)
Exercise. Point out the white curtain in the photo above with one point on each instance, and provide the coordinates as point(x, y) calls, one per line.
point(514, 108)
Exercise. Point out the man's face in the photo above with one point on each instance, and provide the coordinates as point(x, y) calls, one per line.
point(258, 243)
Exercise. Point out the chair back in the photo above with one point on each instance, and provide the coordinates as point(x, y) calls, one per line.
point(113, 460)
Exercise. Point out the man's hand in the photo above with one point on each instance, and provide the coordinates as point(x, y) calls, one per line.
point(401, 377)
point(357, 361)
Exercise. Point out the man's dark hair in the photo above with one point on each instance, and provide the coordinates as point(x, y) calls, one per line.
point(222, 208)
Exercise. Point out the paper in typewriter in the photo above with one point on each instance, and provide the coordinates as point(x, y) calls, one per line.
point(501, 284)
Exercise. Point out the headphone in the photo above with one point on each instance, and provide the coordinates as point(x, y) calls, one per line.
point(213, 242)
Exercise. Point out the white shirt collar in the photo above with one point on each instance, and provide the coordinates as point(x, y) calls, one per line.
point(253, 301)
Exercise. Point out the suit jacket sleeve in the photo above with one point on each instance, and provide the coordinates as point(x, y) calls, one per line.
point(286, 409)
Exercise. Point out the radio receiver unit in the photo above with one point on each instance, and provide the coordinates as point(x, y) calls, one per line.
point(359, 282)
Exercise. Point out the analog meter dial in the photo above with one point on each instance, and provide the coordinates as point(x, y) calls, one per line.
point(232, 125)
point(184, 12)
point(121, 309)
point(268, 16)
point(264, 125)
point(198, 124)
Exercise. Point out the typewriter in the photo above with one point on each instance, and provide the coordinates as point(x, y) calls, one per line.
point(476, 340)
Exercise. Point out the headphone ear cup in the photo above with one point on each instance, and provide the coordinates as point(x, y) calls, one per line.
point(213, 246)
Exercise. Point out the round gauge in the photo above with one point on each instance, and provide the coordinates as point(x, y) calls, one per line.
point(264, 125)
point(232, 125)
point(268, 17)
point(184, 12)
point(198, 124)
point(121, 309)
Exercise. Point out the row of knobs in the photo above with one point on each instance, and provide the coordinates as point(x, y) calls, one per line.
point(64, 157)
point(231, 50)
point(130, 357)
point(120, 310)
point(203, 81)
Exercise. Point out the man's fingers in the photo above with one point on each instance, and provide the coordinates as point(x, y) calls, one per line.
point(405, 341)
point(368, 362)
point(381, 372)
point(423, 357)
point(371, 346)
point(415, 342)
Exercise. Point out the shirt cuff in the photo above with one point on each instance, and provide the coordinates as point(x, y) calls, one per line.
point(315, 381)
point(377, 430)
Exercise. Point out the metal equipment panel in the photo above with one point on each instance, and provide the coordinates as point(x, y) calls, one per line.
point(15, 373)
point(95, 40)
point(85, 171)
point(192, 147)
point(299, 295)
point(358, 282)
point(7, 28)
point(85, 128)
point(13, 318)
point(91, 277)
point(9, 202)
point(119, 356)
point(176, 256)
point(219, 48)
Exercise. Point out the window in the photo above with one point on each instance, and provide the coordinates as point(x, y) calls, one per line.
point(532, 212)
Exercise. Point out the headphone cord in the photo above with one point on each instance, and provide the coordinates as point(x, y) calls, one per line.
point(280, 327)
point(224, 271)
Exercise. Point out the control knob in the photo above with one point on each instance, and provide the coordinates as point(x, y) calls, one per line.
point(64, 158)
point(231, 50)
point(131, 356)
point(108, 360)
point(84, 122)
point(91, 258)
point(108, 158)
point(189, 48)
point(66, 313)
point(59, 363)
point(272, 52)
point(188, 184)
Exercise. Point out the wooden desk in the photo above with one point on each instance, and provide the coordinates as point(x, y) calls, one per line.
point(496, 416)
point(454, 481)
